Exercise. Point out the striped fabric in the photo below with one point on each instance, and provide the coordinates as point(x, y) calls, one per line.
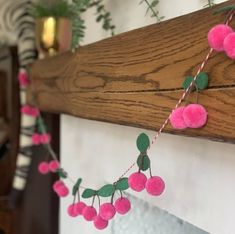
point(17, 28)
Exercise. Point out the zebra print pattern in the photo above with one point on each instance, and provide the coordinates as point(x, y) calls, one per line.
point(17, 28)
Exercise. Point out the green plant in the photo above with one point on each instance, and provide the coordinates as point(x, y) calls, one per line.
point(60, 9)
point(210, 3)
point(73, 11)
point(151, 7)
point(102, 15)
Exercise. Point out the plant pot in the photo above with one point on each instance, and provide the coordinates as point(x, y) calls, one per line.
point(53, 36)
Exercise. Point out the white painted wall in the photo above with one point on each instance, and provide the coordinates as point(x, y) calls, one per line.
point(199, 174)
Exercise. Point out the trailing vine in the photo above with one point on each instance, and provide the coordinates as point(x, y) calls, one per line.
point(103, 16)
point(152, 7)
point(210, 3)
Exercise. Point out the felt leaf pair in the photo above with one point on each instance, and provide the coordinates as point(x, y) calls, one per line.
point(143, 160)
point(201, 81)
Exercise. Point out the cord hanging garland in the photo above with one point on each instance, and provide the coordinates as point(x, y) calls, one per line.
point(194, 115)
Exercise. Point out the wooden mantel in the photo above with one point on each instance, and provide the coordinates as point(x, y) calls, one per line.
point(135, 78)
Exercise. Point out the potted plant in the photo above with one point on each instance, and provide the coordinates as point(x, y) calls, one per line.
point(59, 25)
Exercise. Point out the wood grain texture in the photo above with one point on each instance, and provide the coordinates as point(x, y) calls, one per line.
point(135, 78)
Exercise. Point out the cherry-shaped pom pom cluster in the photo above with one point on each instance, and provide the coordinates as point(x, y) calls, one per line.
point(190, 116)
point(43, 138)
point(30, 111)
point(138, 181)
point(46, 167)
point(60, 188)
point(222, 38)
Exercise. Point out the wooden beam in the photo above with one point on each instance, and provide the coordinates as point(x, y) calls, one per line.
point(135, 78)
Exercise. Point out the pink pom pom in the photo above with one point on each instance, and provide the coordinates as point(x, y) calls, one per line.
point(217, 35)
point(54, 165)
point(177, 120)
point(195, 116)
point(23, 78)
point(57, 184)
point(62, 191)
point(122, 205)
point(100, 223)
point(36, 140)
point(89, 213)
point(229, 45)
point(72, 212)
point(45, 138)
point(25, 109)
point(80, 206)
point(107, 211)
point(43, 168)
point(137, 181)
point(155, 186)
point(34, 112)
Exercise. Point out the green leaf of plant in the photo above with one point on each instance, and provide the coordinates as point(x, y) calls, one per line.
point(202, 81)
point(106, 191)
point(142, 142)
point(224, 9)
point(87, 193)
point(122, 184)
point(188, 80)
point(61, 173)
point(76, 186)
point(143, 162)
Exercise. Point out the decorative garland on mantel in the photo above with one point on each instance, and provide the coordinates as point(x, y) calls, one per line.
point(220, 38)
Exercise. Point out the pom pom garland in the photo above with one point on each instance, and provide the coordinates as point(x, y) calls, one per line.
point(217, 35)
point(192, 116)
point(229, 45)
point(107, 211)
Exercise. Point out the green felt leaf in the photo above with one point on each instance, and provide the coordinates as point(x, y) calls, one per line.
point(87, 193)
point(142, 142)
point(122, 184)
point(188, 80)
point(202, 81)
point(224, 9)
point(143, 162)
point(61, 173)
point(106, 191)
point(76, 186)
